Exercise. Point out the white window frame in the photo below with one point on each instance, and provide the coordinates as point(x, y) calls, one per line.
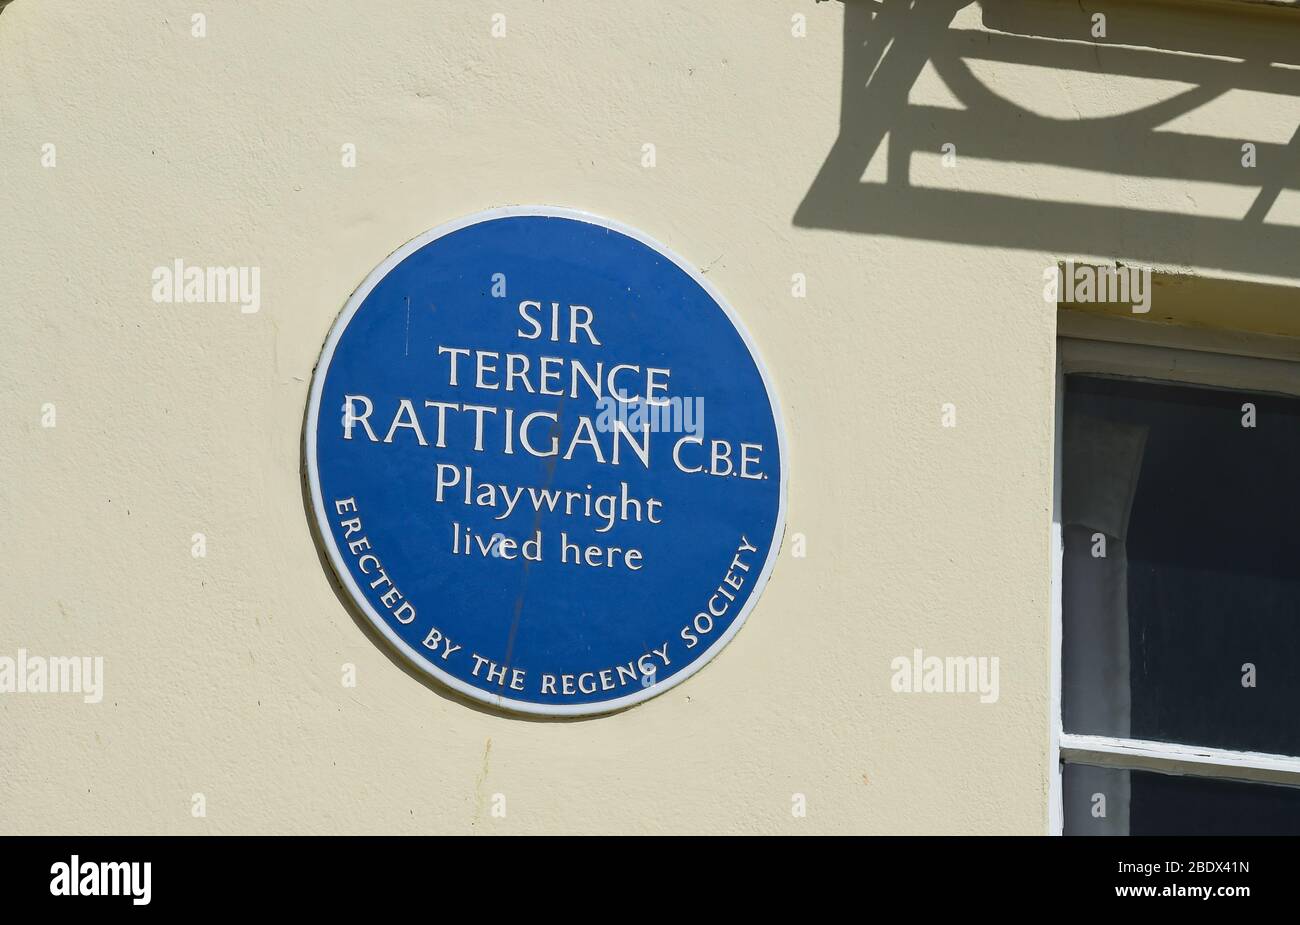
point(1163, 354)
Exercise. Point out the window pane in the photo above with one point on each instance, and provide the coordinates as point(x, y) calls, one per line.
point(1181, 585)
point(1115, 801)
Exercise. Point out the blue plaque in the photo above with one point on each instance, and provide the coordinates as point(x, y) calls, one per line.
point(546, 461)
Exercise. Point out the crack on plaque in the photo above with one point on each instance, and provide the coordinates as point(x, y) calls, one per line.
point(551, 464)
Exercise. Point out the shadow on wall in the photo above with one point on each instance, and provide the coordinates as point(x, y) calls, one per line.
point(1206, 49)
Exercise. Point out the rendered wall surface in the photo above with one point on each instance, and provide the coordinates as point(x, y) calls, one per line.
point(223, 673)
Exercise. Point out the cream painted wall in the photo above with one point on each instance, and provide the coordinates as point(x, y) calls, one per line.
point(223, 673)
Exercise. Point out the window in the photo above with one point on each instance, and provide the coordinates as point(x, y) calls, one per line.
point(1178, 535)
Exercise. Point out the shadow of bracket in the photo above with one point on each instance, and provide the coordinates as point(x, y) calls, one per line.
point(888, 43)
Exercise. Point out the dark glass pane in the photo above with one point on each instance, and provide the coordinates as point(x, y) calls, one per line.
point(1115, 801)
point(1200, 521)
